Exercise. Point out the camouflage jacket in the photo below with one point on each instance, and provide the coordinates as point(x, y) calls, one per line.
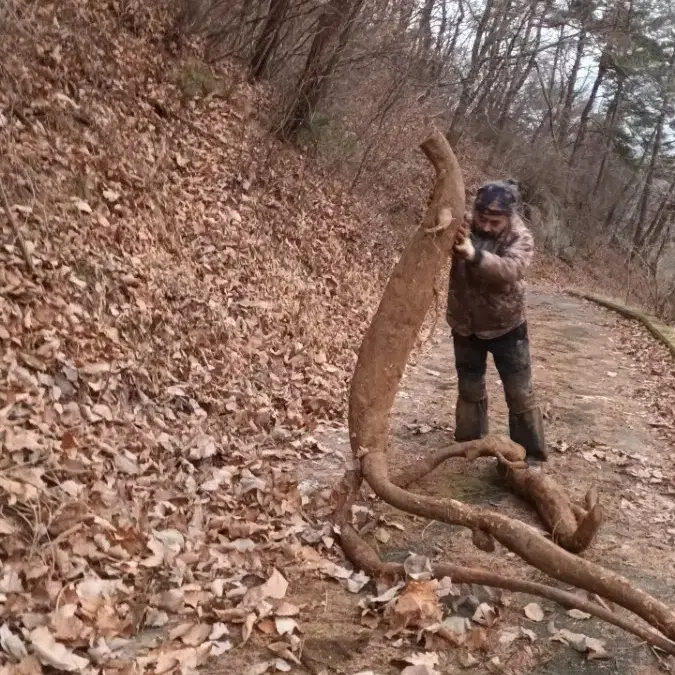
point(486, 297)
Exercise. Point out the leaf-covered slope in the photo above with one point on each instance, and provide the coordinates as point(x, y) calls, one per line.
point(200, 291)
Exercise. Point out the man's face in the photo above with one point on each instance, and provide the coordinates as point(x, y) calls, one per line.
point(490, 225)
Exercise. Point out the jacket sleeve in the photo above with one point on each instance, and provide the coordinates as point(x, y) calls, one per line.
point(509, 267)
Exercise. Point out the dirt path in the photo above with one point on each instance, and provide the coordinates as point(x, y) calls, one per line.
point(599, 433)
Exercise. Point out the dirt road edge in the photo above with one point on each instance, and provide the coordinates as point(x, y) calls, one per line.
point(662, 332)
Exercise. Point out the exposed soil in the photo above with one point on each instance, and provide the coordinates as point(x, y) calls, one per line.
point(600, 432)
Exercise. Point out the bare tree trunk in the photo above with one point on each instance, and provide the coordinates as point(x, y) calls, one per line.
point(566, 112)
point(586, 112)
point(426, 38)
point(661, 216)
point(455, 34)
point(332, 34)
point(609, 130)
point(268, 39)
point(645, 198)
point(466, 94)
point(628, 192)
point(547, 92)
point(623, 16)
point(519, 79)
point(438, 61)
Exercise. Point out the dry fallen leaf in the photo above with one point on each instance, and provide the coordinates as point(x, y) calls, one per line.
point(418, 567)
point(445, 588)
point(338, 572)
point(6, 528)
point(421, 664)
point(275, 588)
point(420, 670)
point(477, 640)
point(382, 535)
point(111, 195)
point(530, 634)
point(28, 666)
point(259, 668)
point(219, 647)
point(52, 653)
point(66, 627)
point(578, 614)
point(196, 635)
point(417, 605)
point(82, 206)
point(285, 625)
point(508, 637)
point(22, 492)
point(534, 612)
point(357, 581)
point(457, 624)
point(286, 609)
point(10, 582)
point(467, 660)
point(247, 627)
point(11, 643)
point(485, 615)
point(594, 647)
point(218, 630)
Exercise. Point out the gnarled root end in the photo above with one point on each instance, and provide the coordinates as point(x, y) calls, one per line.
point(570, 526)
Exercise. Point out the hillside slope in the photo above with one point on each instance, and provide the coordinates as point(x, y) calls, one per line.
point(198, 296)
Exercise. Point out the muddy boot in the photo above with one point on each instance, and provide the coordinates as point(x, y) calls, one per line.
point(471, 413)
point(526, 426)
point(527, 429)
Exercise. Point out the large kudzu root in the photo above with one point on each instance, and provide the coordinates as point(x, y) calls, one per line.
point(524, 541)
point(571, 526)
point(382, 359)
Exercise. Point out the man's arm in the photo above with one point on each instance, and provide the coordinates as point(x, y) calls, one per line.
point(509, 267)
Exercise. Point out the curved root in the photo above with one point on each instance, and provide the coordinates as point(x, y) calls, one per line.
point(571, 526)
point(366, 558)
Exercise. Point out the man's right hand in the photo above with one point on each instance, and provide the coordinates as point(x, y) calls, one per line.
point(464, 247)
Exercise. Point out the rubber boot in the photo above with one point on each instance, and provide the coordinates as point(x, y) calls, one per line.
point(471, 412)
point(527, 429)
point(526, 425)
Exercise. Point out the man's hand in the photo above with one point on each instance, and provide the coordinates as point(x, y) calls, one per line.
point(464, 247)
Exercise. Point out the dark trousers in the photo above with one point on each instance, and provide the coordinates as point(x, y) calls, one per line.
point(511, 354)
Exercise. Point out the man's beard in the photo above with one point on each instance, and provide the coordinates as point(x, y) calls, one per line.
point(482, 234)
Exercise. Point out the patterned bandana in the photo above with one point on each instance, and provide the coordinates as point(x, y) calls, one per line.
point(497, 198)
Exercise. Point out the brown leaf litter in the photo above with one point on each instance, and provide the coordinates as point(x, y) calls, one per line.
point(193, 313)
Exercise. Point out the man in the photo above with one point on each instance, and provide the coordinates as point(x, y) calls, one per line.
point(486, 311)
